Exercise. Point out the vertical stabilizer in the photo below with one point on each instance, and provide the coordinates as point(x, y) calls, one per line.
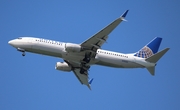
point(150, 49)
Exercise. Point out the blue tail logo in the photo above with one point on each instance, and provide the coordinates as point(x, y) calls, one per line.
point(150, 49)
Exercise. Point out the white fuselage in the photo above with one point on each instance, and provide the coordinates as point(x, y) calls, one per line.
point(58, 49)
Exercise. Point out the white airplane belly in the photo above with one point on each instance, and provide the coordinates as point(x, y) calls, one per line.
point(116, 61)
point(45, 49)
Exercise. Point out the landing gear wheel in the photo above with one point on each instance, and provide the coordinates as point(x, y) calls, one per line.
point(87, 58)
point(23, 54)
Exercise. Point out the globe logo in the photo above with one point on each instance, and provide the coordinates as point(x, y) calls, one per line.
point(145, 52)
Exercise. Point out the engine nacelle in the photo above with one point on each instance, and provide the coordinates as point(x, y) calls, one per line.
point(70, 47)
point(63, 66)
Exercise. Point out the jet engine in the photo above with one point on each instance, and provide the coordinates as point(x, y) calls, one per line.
point(63, 66)
point(70, 47)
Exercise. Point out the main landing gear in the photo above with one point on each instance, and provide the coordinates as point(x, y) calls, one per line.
point(82, 71)
point(87, 58)
point(84, 67)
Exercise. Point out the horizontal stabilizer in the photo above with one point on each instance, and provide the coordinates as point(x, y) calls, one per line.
point(157, 56)
point(151, 70)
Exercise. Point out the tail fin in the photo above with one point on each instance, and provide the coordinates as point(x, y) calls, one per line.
point(154, 59)
point(150, 49)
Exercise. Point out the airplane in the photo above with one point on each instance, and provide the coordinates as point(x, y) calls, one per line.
point(79, 57)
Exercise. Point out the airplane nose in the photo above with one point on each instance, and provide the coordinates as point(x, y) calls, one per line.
point(10, 42)
point(16, 43)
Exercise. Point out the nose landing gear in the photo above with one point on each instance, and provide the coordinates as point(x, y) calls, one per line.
point(22, 50)
point(23, 54)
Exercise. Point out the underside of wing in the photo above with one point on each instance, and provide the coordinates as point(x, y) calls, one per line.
point(96, 41)
point(81, 76)
point(89, 48)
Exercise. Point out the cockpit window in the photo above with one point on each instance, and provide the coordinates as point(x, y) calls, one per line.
point(19, 38)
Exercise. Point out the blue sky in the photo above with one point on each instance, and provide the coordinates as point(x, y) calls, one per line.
point(32, 83)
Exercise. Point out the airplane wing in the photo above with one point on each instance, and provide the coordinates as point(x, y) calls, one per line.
point(93, 43)
point(83, 78)
point(96, 41)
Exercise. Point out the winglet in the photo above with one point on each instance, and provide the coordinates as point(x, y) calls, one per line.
point(124, 15)
point(90, 81)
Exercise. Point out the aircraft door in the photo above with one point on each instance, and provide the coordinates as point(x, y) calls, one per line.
point(32, 42)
